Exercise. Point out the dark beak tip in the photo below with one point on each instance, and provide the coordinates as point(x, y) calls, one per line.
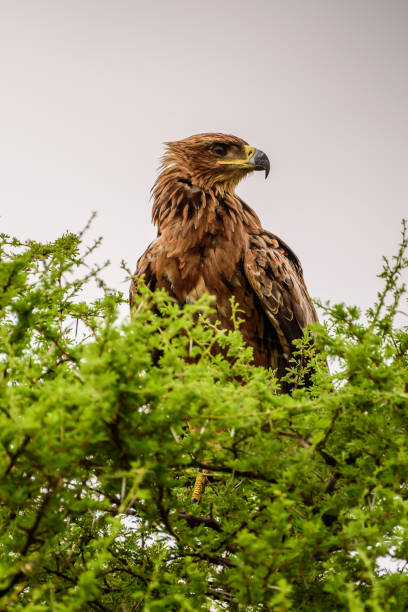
point(267, 165)
point(262, 162)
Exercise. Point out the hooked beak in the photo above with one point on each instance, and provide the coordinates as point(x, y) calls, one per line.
point(254, 160)
point(260, 161)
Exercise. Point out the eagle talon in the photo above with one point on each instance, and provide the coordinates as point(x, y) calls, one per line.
point(199, 486)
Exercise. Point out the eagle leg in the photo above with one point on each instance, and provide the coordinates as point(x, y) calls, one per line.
point(199, 486)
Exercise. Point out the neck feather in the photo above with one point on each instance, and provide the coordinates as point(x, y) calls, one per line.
point(182, 207)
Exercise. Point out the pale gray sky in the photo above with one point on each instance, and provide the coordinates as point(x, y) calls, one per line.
point(90, 89)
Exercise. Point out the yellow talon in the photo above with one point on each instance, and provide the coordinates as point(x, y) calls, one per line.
point(199, 486)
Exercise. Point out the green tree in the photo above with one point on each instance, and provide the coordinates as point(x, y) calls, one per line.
point(103, 426)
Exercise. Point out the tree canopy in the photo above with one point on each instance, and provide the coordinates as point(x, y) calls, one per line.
point(104, 425)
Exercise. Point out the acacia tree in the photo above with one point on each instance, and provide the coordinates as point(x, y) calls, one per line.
point(104, 425)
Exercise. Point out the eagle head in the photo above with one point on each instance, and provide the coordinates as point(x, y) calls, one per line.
point(208, 160)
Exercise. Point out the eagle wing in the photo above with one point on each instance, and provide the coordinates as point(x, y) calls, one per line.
point(275, 275)
point(147, 269)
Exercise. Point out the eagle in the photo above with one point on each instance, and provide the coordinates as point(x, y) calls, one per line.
point(210, 241)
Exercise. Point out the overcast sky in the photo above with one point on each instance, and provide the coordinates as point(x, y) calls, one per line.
point(90, 89)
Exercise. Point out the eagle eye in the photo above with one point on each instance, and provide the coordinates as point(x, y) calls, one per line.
point(219, 148)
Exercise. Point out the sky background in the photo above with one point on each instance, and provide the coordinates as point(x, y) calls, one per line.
point(90, 89)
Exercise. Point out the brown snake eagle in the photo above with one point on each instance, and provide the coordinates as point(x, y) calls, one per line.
point(211, 241)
